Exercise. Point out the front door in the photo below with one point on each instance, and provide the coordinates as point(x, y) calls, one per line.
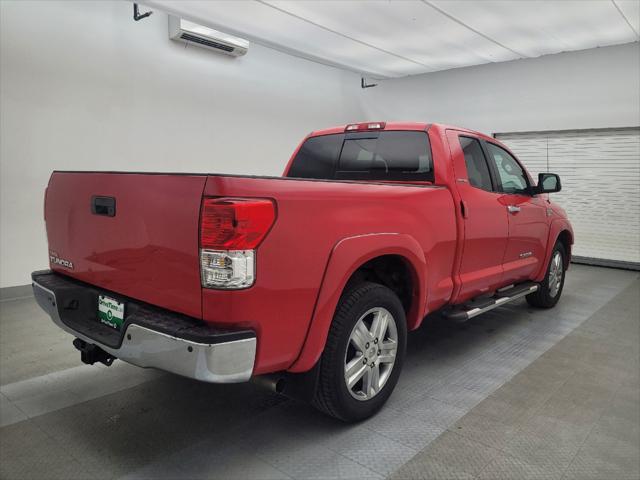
point(527, 213)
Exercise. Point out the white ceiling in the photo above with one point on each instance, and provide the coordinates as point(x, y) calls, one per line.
point(395, 38)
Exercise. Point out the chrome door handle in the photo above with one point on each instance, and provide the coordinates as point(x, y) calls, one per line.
point(513, 209)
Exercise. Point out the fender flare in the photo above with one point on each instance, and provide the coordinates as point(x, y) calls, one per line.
point(556, 227)
point(346, 257)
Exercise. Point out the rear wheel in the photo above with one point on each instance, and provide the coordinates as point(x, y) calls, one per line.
point(551, 287)
point(364, 353)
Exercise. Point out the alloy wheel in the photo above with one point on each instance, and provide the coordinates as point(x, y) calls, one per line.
point(555, 274)
point(371, 353)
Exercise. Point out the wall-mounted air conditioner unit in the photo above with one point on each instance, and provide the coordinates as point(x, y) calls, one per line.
point(191, 33)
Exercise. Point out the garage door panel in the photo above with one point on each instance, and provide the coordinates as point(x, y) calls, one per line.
point(600, 171)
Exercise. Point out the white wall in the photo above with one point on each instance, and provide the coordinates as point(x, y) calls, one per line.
point(585, 89)
point(83, 86)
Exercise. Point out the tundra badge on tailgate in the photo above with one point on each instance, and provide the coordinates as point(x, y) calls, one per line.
point(53, 257)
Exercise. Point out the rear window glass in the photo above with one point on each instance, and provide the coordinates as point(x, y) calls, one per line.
point(393, 155)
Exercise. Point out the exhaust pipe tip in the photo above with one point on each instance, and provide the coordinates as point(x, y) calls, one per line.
point(275, 383)
point(297, 386)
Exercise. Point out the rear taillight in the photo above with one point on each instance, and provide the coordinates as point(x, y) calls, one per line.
point(230, 231)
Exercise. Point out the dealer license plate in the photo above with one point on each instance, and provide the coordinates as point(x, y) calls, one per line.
point(110, 312)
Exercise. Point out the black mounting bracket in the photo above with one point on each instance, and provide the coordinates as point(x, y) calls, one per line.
point(137, 15)
point(363, 84)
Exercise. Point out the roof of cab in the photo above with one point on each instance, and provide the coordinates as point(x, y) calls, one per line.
point(401, 126)
point(388, 126)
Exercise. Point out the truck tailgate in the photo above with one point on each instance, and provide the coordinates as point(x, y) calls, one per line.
point(148, 248)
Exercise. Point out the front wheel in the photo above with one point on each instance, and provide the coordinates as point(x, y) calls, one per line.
point(550, 288)
point(364, 353)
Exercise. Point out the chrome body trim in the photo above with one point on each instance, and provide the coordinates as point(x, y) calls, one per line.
point(228, 362)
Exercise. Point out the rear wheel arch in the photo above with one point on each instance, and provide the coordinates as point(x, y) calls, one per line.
point(346, 263)
point(393, 271)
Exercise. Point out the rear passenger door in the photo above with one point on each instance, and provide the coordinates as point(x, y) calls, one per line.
point(527, 214)
point(484, 218)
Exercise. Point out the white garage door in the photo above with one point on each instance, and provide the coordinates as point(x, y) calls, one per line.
point(600, 174)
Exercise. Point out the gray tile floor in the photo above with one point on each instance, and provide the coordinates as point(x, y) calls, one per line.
point(62, 419)
point(574, 413)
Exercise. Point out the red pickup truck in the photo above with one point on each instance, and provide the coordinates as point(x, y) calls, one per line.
point(309, 281)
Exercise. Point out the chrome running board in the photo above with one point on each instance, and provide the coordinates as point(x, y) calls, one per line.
point(477, 306)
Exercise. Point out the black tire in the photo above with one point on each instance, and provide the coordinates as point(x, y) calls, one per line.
point(332, 396)
point(543, 297)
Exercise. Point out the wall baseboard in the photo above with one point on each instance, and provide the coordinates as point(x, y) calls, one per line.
point(600, 262)
point(13, 293)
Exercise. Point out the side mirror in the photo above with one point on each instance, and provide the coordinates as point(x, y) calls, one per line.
point(548, 183)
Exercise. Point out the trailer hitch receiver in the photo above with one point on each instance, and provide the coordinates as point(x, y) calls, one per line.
point(91, 354)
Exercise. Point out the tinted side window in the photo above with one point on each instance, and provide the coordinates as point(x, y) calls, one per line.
point(477, 168)
point(513, 178)
point(317, 157)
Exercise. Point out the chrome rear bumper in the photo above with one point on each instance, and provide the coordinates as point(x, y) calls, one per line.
point(212, 361)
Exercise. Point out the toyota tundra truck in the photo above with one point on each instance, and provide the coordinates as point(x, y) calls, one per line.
point(307, 282)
